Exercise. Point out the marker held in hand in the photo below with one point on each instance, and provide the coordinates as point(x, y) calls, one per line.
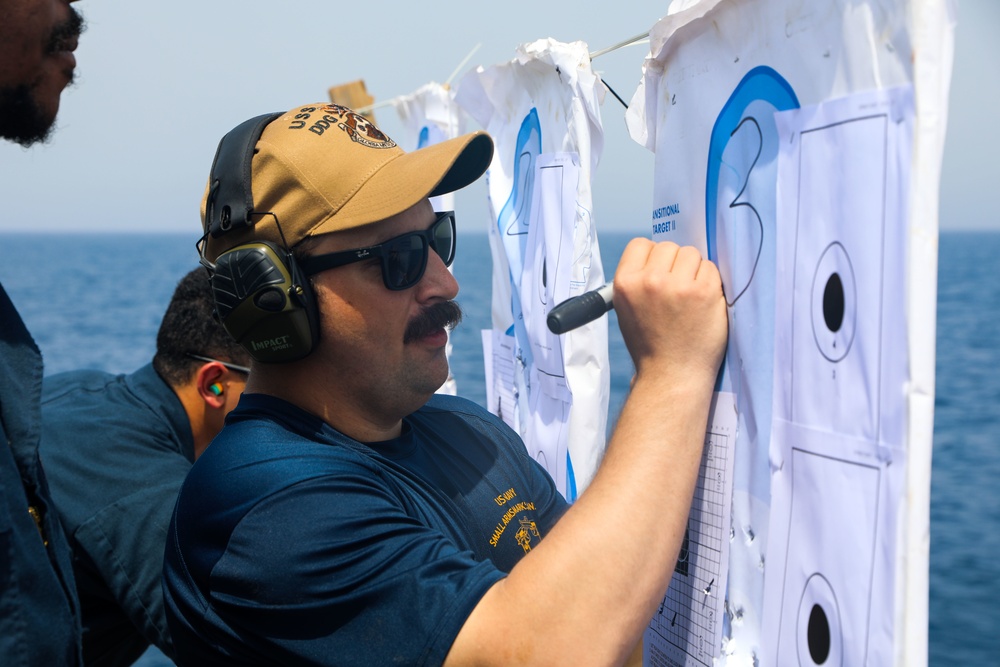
point(579, 310)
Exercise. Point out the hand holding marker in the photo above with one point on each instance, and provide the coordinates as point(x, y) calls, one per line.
point(579, 310)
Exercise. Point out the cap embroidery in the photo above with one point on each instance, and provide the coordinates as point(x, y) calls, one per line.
point(357, 127)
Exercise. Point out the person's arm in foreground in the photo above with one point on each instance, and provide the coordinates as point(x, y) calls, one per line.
point(585, 594)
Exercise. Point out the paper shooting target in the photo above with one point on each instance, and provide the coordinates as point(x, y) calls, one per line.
point(838, 289)
point(826, 599)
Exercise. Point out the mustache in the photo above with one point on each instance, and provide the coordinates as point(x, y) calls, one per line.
point(65, 35)
point(441, 315)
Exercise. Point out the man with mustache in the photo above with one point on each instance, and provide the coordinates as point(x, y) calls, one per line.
point(39, 620)
point(346, 514)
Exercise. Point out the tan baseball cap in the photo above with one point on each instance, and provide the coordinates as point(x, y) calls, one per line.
point(322, 167)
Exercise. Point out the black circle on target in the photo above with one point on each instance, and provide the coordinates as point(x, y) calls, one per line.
point(818, 635)
point(833, 303)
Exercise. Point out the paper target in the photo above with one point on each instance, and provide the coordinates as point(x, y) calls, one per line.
point(826, 599)
point(837, 304)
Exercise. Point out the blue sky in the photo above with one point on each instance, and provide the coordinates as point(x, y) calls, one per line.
point(160, 83)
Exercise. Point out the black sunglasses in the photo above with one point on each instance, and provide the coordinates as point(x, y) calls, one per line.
point(403, 258)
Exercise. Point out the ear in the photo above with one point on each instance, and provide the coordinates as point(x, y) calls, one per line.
point(208, 382)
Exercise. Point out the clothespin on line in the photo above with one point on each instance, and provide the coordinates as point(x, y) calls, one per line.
point(365, 103)
point(355, 96)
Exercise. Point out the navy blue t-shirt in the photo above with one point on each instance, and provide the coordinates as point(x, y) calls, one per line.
point(293, 544)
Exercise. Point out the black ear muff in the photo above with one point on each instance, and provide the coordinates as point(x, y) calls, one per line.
point(261, 296)
point(263, 302)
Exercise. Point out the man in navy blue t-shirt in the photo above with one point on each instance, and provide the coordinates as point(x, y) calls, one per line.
point(346, 514)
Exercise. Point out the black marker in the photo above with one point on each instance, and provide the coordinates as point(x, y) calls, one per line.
point(579, 310)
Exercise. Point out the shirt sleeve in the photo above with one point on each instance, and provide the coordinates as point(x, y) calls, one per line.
point(115, 470)
point(124, 544)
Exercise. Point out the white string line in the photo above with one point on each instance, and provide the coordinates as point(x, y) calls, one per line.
point(393, 100)
point(378, 105)
point(628, 42)
point(462, 64)
point(631, 41)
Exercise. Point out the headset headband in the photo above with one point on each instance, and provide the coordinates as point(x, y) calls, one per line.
point(230, 200)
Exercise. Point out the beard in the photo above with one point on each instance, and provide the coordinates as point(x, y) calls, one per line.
point(22, 119)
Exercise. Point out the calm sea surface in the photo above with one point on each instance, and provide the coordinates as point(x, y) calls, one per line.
point(96, 301)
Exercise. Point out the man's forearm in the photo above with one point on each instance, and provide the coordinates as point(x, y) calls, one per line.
point(595, 580)
point(584, 595)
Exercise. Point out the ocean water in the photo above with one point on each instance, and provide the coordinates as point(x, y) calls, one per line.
point(96, 301)
point(965, 478)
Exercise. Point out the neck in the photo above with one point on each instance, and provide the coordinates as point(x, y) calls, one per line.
point(351, 414)
point(202, 431)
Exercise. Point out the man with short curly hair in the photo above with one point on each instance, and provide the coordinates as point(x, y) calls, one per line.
point(116, 449)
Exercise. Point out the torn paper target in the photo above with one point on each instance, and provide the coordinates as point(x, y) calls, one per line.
point(543, 111)
point(855, 62)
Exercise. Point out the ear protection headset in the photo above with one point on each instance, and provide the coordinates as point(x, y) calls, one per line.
point(262, 297)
